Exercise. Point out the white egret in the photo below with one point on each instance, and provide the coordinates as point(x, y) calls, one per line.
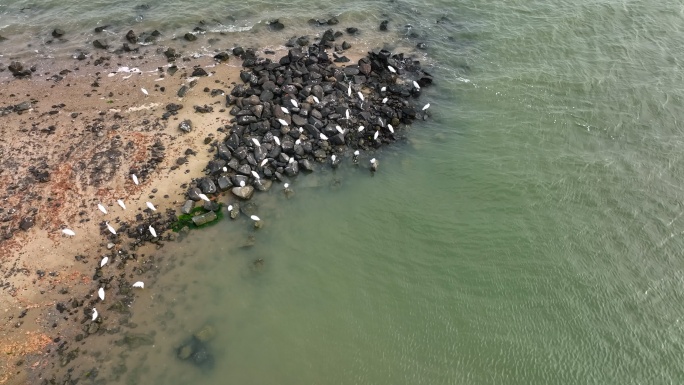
point(276, 140)
point(256, 175)
point(286, 185)
point(294, 103)
point(349, 90)
point(203, 197)
point(390, 128)
point(374, 164)
point(151, 206)
point(347, 114)
point(425, 107)
point(415, 84)
point(135, 179)
point(285, 110)
point(255, 218)
point(360, 96)
point(68, 232)
point(110, 228)
point(153, 232)
point(242, 183)
point(339, 129)
point(375, 136)
point(104, 261)
point(94, 314)
point(361, 128)
point(102, 208)
point(139, 284)
point(316, 99)
point(101, 294)
point(263, 162)
point(383, 89)
point(282, 122)
point(392, 70)
point(230, 207)
point(256, 142)
point(144, 91)
point(121, 203)
point(385, 100)
point(323, 137)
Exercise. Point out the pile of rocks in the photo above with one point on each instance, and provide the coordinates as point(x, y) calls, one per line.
point(302, 109)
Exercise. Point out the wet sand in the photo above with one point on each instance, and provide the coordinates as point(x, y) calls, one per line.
point(74, 147)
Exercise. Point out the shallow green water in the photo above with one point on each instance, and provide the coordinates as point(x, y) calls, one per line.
point(531, 233)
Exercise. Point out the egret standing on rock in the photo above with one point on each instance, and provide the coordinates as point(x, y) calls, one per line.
point(94, 314)
point(256, 142)
point(390, 128)
point(334, 161)
point(282, 122)
point(391, 69)
point(255, 175)
point(374, 164)
point(355, 158)
point(110, 228)
point(104, 261)
point(415, 84)
point(154, 233)
point(285, 110)
point(276, 140)
point(203, 197)
point(361, 128)
point(323, 137)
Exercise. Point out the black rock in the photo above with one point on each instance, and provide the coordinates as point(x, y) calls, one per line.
point(276, 25)
point(211, 206)
point(303, 41)
point(224, 183)
point(238, 51)
point(345, 45)
point(190, 37)
point(292, 169)
point(199, 72)
point(333, 21)
point(101, 44)
point(131, 37)
point(100, 29)
point(173, 107)
point(207, 186)
point(57, 32)
point(383, 25)
point(222, 56)
point(170, 53)
point(182, 91)
point(352, 30)
point(185, 126)
point(26, 223)
point(193, 193)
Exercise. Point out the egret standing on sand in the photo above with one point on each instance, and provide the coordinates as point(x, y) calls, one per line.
point(68, 232)
point(104, 261)
point(94, 314)
point(135, 179)
point(102, 208)
point(121, 203)
point(101, 293)
point(154, 233)
point(139, 284)
point(151, 206)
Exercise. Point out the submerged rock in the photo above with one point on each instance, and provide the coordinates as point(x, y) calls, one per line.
point(205, 218)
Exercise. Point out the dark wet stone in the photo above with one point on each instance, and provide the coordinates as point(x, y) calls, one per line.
point(302, 41)
point(292, 169)
point(333, 21)
point(185, 126)
point(245, 192)
point(173, 107)
point(276, 25)
point(26, 223)
point(224, 183)
point(182, 91)
point(57, 32)
point(199, 72)
point(352, 30)
point(190, 37)
point(263, 184)
point(101, 44)
point(306, 165)
point(207, 186)
point(205, 218)
point(193, 193)
point(383, 25)
point(222, 56)
point(131, 37)
point(187, 207)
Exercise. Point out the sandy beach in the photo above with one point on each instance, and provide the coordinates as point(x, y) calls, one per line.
point(75, 147)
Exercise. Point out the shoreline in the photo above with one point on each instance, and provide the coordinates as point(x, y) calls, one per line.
point(63, 159)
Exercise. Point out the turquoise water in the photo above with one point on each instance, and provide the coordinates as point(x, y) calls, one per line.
point(530, 233)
